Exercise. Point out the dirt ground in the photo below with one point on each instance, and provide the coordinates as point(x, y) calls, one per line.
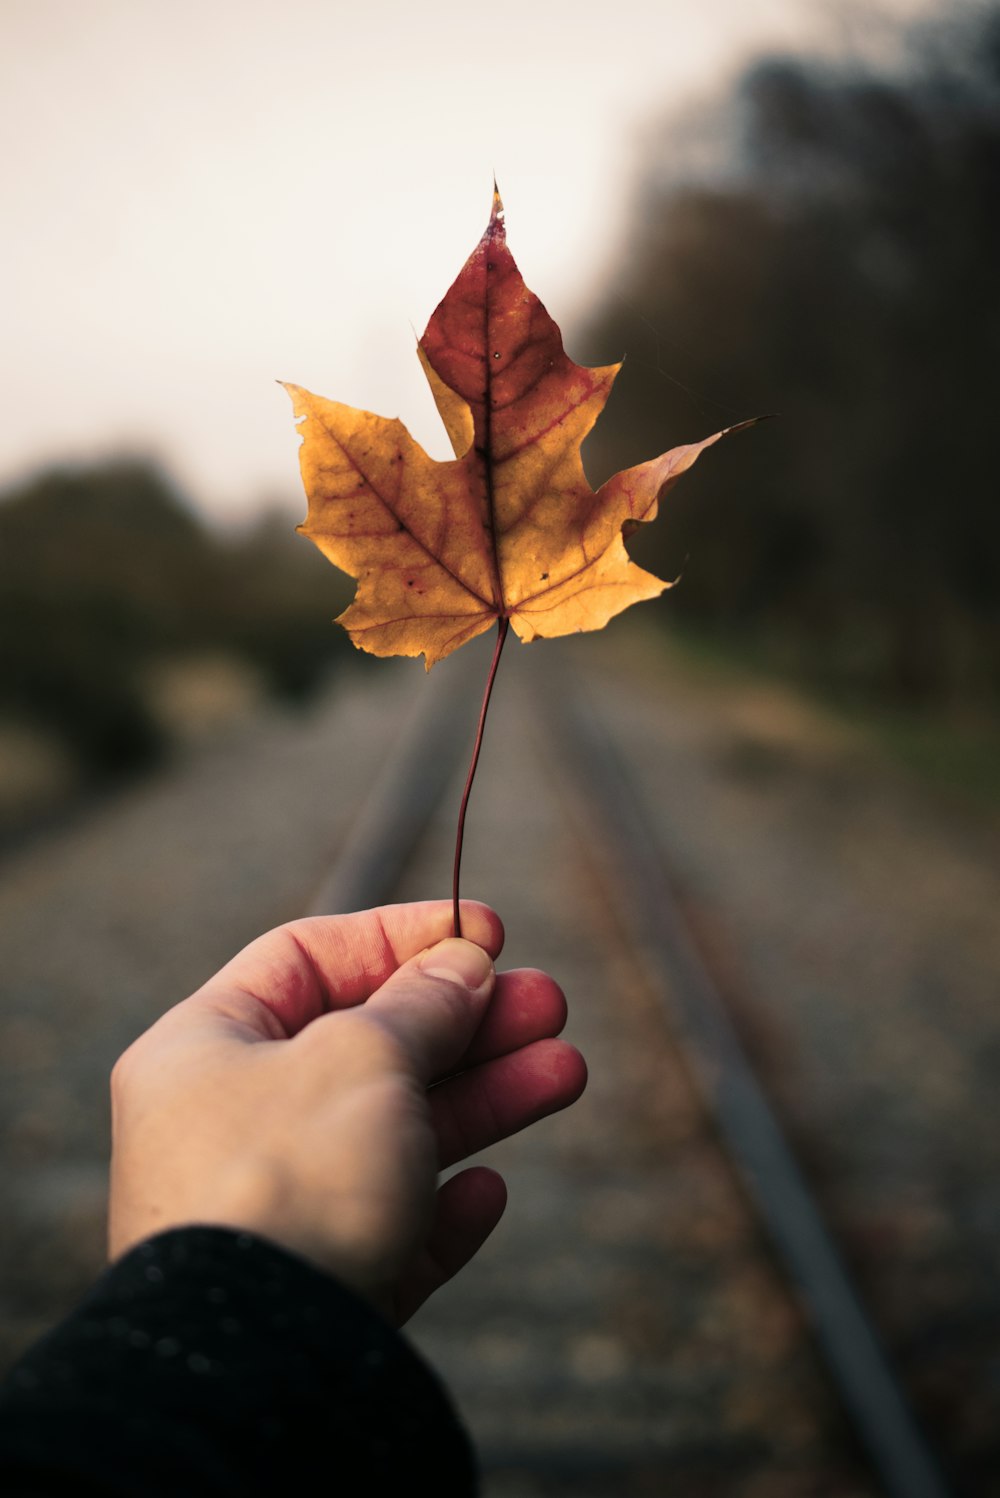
point(626, 1325)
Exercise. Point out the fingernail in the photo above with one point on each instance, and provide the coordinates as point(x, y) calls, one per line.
point(458, 961)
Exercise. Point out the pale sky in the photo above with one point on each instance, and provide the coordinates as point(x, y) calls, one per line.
point(201, 197)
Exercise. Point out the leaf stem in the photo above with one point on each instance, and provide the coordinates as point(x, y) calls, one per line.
point(501, 636)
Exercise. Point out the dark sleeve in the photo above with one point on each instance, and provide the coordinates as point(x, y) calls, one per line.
point(212, 1362)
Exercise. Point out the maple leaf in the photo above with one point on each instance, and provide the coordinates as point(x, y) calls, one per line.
point(508, 530)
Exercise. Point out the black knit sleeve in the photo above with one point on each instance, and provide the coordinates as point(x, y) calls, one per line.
point(213, 1362)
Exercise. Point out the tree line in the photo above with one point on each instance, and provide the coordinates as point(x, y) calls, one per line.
point(843, 271)
point(106, 572)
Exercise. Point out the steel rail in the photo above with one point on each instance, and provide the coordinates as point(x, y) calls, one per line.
point(388, 829)
point(641, 885)
point(405, 795)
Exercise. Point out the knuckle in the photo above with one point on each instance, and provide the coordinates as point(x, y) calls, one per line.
point(130, 1071)
point(376, 1046)
point(123, 1071)
point(354, 1036)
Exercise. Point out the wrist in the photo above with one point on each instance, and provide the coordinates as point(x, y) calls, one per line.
point(256, 1197)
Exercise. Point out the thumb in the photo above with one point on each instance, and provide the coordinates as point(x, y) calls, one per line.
point(434, 1003)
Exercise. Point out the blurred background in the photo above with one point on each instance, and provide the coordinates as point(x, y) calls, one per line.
point(790, 208)
point(784, 208)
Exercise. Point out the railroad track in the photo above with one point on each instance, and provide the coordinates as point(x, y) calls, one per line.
point(408, 805)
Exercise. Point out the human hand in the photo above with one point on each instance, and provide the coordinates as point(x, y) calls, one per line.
point(312, 1090)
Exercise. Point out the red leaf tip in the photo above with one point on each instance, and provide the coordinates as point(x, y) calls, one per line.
point(496, 215)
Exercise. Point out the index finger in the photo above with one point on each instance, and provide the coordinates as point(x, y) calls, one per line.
point(293, 974)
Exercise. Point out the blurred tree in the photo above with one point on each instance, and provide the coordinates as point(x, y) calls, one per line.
point(844, 274)
point(105, 572)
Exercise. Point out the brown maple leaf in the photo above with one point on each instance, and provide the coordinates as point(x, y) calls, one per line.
point(509, 530)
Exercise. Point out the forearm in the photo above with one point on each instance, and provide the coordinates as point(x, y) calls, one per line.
point(211, 1362)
